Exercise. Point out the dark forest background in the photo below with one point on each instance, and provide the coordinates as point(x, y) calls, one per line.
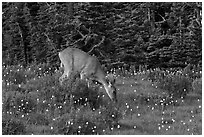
point(120, 34)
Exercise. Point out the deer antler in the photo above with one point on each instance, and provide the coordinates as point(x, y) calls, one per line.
point(97, 45)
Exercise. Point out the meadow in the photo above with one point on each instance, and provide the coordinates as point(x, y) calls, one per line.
point(150, 102)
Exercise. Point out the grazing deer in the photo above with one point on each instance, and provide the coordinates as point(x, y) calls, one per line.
point(89, 68)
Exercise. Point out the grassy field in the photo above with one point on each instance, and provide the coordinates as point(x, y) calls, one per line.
point(148, 116)
point(36, 104)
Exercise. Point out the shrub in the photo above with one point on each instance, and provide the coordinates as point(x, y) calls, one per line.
point(41, 97)
point(177, 86)
point(109, 115)
point(12, 126)
point(85, 121)
point(16, 103)
point(83, 95)
point(72, 124)
point(193, 71)
point(174, 82)
point(155, 75)
point(38, 119)
point(197, 86)
point(36, 70)
point(14, 74)
point(17, 74)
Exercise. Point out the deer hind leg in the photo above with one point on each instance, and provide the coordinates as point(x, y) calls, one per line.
point(67, 70)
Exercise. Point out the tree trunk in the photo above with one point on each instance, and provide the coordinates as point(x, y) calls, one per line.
point(22, 31)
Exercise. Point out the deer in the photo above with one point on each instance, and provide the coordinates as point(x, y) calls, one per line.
point(87, 66)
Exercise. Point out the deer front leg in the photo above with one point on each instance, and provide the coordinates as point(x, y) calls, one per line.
point(61, 79)
point(83, 76)
point(64, 77)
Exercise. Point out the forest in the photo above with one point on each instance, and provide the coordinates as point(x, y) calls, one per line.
point(154, 34)
point(151, 50)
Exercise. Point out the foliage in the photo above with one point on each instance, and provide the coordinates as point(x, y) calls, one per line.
point(176, 86)
point(177, 83)
point(18, 103)
point(197, 86)
point(38, 119)
point(14, 74)
point(155, 34)
point(39, 105)
point(84, 121)
point(12, 126)
point(38, 99)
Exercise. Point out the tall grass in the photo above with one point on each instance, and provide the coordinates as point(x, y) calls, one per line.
point(36, 98)
point(32, 97)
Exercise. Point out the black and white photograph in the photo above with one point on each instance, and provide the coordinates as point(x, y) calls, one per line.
point(101, 68)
